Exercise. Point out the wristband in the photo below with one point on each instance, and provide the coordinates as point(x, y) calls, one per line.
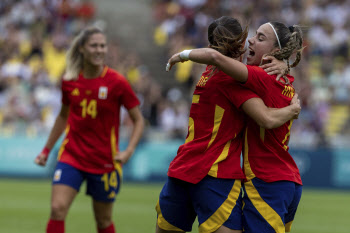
point(185, 55)
point(45, 152)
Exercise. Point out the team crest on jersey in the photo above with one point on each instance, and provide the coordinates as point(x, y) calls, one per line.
point(288, 91)
point(102, 93)
point(57, 175)
point(75, 92)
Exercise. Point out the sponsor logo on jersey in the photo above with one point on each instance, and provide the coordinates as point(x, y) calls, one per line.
point(102, 93)
point(288, 91)
point(75, 92)
point(202, 81)
point(57, 175)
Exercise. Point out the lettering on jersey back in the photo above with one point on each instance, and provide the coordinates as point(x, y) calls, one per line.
point(202, 81)
point(288, 91)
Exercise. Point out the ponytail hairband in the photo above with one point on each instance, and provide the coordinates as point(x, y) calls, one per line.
point(278, 40)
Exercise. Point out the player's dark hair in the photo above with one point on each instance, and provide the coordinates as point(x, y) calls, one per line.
point(226, 35)
point(74, 58)
point(291, 39)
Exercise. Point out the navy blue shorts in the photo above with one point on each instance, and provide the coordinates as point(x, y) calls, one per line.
point(214, 201)
point(101, 187)
point(269, 207)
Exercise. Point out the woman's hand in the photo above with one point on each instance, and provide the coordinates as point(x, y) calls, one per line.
point(173, 60)
point(41, 159)
point(295, 102)
point(123, 156)
point(273, 66)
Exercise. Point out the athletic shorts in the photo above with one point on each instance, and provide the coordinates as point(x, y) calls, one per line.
point(214, 201)
point(100, 187)
point(269, 207)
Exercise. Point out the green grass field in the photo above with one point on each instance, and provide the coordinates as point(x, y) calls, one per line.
point(24, 208)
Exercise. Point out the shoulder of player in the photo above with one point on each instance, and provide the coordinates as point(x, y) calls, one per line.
point(260, 73)
point(223, 79)
point(68, 83)
point(257, 69)
point(115, 76)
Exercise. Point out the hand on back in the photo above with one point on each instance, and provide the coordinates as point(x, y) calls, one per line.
point(273, 66)
point(295, 102)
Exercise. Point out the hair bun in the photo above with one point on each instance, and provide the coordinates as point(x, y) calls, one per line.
point(291, 28)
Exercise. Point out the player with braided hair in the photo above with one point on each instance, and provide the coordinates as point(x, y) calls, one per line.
point(273, 187)
point(292, 38)
point(205, 176)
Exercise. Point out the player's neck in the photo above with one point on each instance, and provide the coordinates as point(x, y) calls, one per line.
point(91, 72)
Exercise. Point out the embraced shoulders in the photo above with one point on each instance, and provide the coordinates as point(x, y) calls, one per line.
point(259, 76)
point(223, 78)
point(256, 70)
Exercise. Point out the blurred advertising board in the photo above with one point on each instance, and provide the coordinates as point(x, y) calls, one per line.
point(319, 167)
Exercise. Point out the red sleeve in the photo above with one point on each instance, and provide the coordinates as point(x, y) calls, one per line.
point(65, 93)
point(236, 93)
point(258, 80)
point(128, 98)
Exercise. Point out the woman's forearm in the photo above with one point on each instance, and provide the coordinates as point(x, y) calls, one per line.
point(230, 66)
point(138, 127)
point(58, 128)
point(269, 118)
point(278, 116)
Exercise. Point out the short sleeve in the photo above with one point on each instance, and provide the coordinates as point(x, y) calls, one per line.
point(258, 80)
point(128, 98)
point(65, 93)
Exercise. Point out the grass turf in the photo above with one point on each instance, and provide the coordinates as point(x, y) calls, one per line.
point(24, 207)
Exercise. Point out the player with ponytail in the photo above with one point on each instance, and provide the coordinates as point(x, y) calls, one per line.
point(204, 179)
point(273, 187)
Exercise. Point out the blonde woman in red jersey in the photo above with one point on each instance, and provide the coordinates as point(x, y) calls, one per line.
point(273, 185)
point(92, 95)
point(205, 176)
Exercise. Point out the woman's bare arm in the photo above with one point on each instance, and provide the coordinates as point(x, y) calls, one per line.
point(270, 118)
point(138, 126)
point(230, 66)
point(56, 131)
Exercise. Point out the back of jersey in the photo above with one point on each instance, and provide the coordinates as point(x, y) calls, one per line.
point(214, 141)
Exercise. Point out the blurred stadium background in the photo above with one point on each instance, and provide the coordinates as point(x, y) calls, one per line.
point(34, 35)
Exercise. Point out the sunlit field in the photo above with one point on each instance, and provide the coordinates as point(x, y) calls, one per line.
point(24, 208)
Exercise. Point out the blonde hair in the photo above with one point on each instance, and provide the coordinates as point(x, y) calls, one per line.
point(74, 59)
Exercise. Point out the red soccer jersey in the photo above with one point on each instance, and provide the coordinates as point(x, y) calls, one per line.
point(93, 122)
point(214, 140)
point(266, 153)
